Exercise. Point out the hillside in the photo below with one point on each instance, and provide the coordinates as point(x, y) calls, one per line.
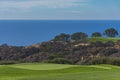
point(95, 51)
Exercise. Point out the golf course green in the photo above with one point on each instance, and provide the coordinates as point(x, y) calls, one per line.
point(42, 71)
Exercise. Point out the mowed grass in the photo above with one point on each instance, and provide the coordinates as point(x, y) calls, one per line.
point(41, 66)
point(40, 71)
point(94, 39)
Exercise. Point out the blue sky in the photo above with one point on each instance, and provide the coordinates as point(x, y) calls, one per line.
point(60, 9)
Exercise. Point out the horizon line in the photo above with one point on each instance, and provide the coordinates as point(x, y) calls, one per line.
point(68, 19)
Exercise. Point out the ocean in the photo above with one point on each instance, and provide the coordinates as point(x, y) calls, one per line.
point(26, 32)
point(58, 23)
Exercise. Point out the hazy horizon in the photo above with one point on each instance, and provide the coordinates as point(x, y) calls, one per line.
point(60, 9)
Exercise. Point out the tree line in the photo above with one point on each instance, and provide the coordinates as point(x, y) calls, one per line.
point(110, 32)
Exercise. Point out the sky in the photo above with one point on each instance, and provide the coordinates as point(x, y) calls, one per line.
point(60, 9)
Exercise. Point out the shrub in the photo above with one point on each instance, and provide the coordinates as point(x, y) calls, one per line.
point(109, 51)
point(59, 61)
point(8, 62)
point(105, 60)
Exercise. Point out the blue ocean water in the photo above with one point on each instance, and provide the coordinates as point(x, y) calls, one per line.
point(26, 32)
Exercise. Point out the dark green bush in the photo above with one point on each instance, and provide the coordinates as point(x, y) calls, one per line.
point(59, 61)
point(105, 60)
point(110, 51)
point(8, 62)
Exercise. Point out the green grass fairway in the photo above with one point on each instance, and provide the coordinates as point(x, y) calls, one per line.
point(38, 66)
point(40, 71)
point(94, 39)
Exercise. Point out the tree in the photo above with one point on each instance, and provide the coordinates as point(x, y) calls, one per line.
point(79, 36)
point(96, 34)
point(111, 32)
point(62, 37)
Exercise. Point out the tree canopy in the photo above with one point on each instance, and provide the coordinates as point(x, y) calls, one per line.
point(111, 32)
point(62, 37)
point(96, 34)
point(79, 36)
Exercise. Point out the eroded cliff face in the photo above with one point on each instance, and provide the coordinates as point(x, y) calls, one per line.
point(56, 51)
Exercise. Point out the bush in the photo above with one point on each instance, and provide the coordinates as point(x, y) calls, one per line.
point(105, 60)
point(109, 51)
point(59, 61)
point(8, 62)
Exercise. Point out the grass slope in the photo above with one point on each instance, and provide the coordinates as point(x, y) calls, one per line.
point(94, 39)
point(59, 72)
